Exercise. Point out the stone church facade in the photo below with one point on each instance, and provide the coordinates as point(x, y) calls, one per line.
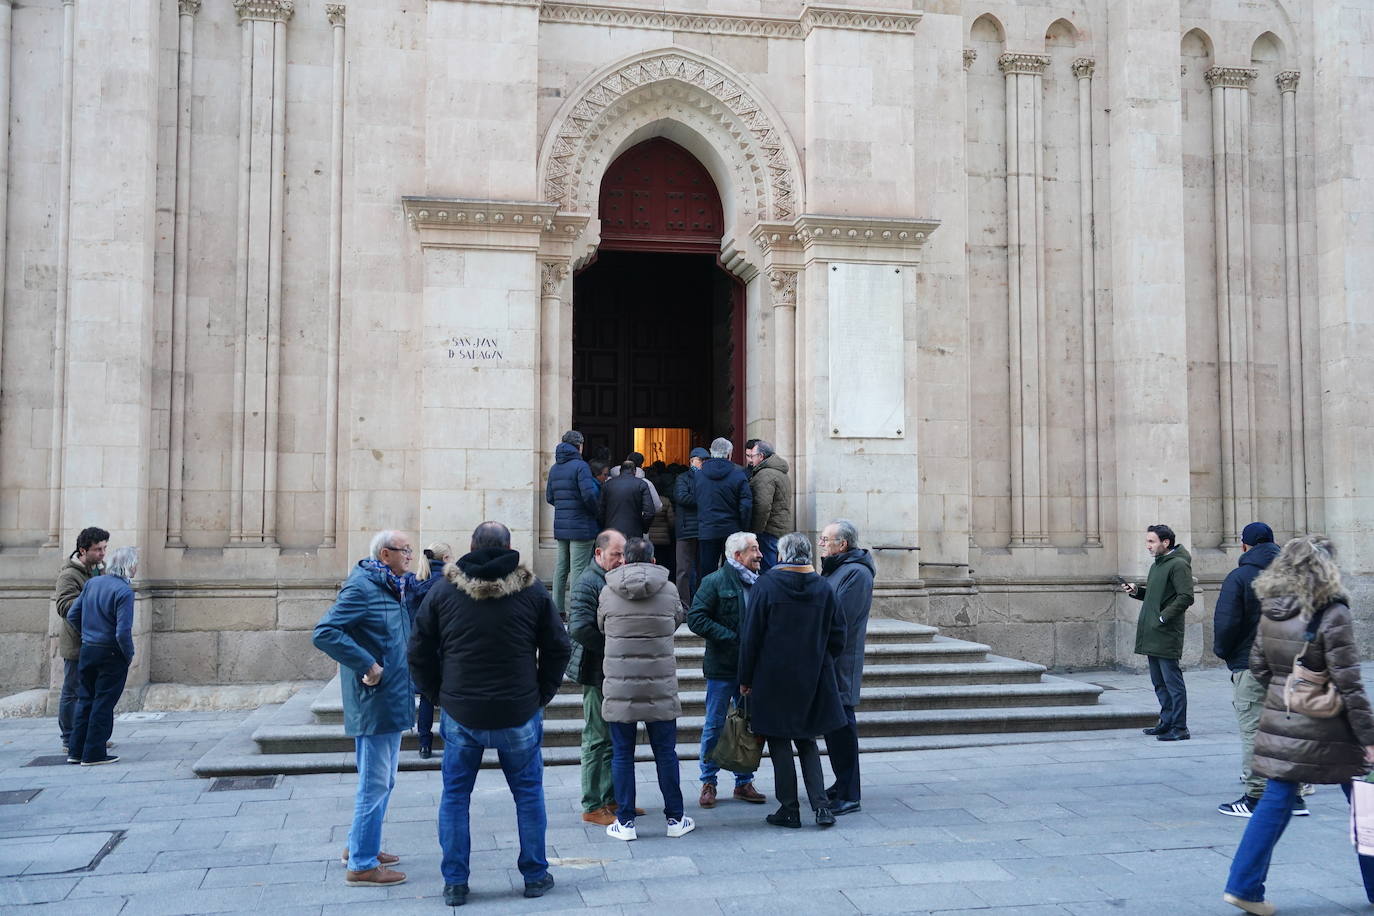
point(1003, 281)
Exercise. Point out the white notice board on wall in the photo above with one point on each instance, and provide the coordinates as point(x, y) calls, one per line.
point(867, 369)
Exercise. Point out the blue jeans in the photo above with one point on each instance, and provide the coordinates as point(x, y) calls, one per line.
point(100, 681)
point(1167, 678)
point(522, 760)
point(66, 703)
point(768, 546)
point(718, 697)
point(1251, 865)
point(663, 741)
point(377, 756)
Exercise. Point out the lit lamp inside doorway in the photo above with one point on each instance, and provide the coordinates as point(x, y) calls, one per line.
point(671, 446)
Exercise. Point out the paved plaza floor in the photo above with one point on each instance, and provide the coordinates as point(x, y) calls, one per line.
point(1085, 824)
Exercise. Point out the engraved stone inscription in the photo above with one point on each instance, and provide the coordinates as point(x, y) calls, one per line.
point(475, 349)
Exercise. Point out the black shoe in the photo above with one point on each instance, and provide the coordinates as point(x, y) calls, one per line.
point(824, 818)
point(838, 808)
point(1241, 807)
point(427, 749)
point(1157, 729)
point(455, 894)
point(785, 818)
point(1178, 734)
point(832, 793)
point(1300, 810)
point(539, 888)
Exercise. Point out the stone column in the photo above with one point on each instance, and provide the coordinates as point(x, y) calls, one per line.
point(262, 149)
point(57, 453)
point(1149, 331)
point(5, 14)
point(970, 55)
point(553, 276)
point(1025, 297)
point(336, 13)
point(1092, 522)
point(1288, 90)
point(784, 286)
point(181, 234)
point(1230, 155)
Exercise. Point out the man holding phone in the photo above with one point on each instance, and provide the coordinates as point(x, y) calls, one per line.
point(1165, 598)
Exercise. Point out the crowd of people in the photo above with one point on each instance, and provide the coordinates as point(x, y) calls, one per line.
point(480, 640)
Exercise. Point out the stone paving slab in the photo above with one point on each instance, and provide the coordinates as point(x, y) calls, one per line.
point(1062, 825)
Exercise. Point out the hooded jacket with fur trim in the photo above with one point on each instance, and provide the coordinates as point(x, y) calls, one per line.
point(488, 646)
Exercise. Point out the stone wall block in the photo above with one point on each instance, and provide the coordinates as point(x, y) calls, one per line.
point(228, 612)
point(1079, 645)
point(184, 658)
point(23, 659)
point(273, 655)
point(1032, 642)
point(302, 613)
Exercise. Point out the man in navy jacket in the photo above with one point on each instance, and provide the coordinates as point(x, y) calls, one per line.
point(725, 504)
point(575, 497)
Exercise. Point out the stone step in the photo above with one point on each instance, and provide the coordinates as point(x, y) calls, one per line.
point(940, 649)
point(1050, 692)
point(880, 630)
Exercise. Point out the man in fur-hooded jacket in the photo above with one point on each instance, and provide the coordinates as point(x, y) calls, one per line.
point(490, 650)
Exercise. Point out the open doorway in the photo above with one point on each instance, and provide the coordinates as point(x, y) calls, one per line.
point(658, 355)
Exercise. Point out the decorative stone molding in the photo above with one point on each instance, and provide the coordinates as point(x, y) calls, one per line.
point(188, 7)
point(1287, 80)
point(1083, 67)
point(1230, 77)
point(657, 77)
point(620, 17)
point(970, 55)
point(784, 283)
point(844, 17)
point(772, 236)
point(551, 277)
point(1020, 62)
point(492, 215)
point(336, 13)
point(265, 10)
point(860, 231)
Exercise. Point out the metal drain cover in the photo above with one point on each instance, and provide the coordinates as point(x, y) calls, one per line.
point(18, 796)
point(242, 783)
point(58, 853)
point(49, 760)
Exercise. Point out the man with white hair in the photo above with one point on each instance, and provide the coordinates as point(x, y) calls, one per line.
point(103, 615)
point(366, 632)
point(725, 504)
point(716, 616)
point(849, 570)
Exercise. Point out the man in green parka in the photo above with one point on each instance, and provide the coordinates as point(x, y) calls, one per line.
point(1165, 598)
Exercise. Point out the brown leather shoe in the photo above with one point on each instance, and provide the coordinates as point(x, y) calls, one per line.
point(383, 858)
point(708, 795)
point(381, 876)
point(602, 816)
point(747, 793)
point(613, 807)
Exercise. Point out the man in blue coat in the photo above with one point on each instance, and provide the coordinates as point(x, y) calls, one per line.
point(725, 504)
point(575, 497)
point(1234, 622)
point(366, 632)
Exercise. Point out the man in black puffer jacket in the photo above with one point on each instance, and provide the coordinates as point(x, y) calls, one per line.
point(1234, 623)
point(489, 649)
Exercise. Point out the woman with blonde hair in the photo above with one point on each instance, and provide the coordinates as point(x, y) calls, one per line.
point(1304, 612)
point(429, 569)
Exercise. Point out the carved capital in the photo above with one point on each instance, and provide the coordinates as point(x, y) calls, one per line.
point(1019, 62)
point(188, 7)
point(552, 275)
point(1083, 67)
point(265, 10)
point(335, 12)
point(970, 55)
point(1230, 77)
point(1287, 80)
point(784, 283)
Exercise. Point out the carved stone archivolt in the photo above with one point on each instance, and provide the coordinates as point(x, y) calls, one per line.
point(265, 10)
point(571, 177)
point(1231, 77)
point(1019, 62)
point(812, 17)
point(1287, 80)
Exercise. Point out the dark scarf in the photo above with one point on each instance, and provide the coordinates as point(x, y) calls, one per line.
point(490, 563)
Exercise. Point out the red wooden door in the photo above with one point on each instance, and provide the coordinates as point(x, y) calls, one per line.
point(657, 197)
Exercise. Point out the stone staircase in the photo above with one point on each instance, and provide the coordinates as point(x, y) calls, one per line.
point(920, 689)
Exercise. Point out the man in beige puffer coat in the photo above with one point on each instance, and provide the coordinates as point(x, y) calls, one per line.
point(638, 613)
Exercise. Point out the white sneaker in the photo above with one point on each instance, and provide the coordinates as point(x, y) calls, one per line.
point(621, 831)
point(682, 827)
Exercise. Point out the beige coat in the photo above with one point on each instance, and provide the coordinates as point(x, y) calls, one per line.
point(638, 612)
point(70, 581)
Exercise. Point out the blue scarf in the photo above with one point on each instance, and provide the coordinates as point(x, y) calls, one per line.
point(747, 575)
point(398, 583)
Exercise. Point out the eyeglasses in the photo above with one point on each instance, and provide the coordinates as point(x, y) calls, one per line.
point(408, 551)
point(825, 540)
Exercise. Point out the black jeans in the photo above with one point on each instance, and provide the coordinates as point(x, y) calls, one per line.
point(101, 680)
point(66, 703)
point(710, 551)
point(843, 745)
point(1167, 678)
point(785, 774)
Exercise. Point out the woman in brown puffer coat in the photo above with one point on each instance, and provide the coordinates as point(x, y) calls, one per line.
point(1302, 583)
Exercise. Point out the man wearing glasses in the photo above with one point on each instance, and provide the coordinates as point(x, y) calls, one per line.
point(366, 632)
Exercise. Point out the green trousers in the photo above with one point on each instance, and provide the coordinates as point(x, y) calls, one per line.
point(572, 557)
point(1247, 696)
point(597, 789)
